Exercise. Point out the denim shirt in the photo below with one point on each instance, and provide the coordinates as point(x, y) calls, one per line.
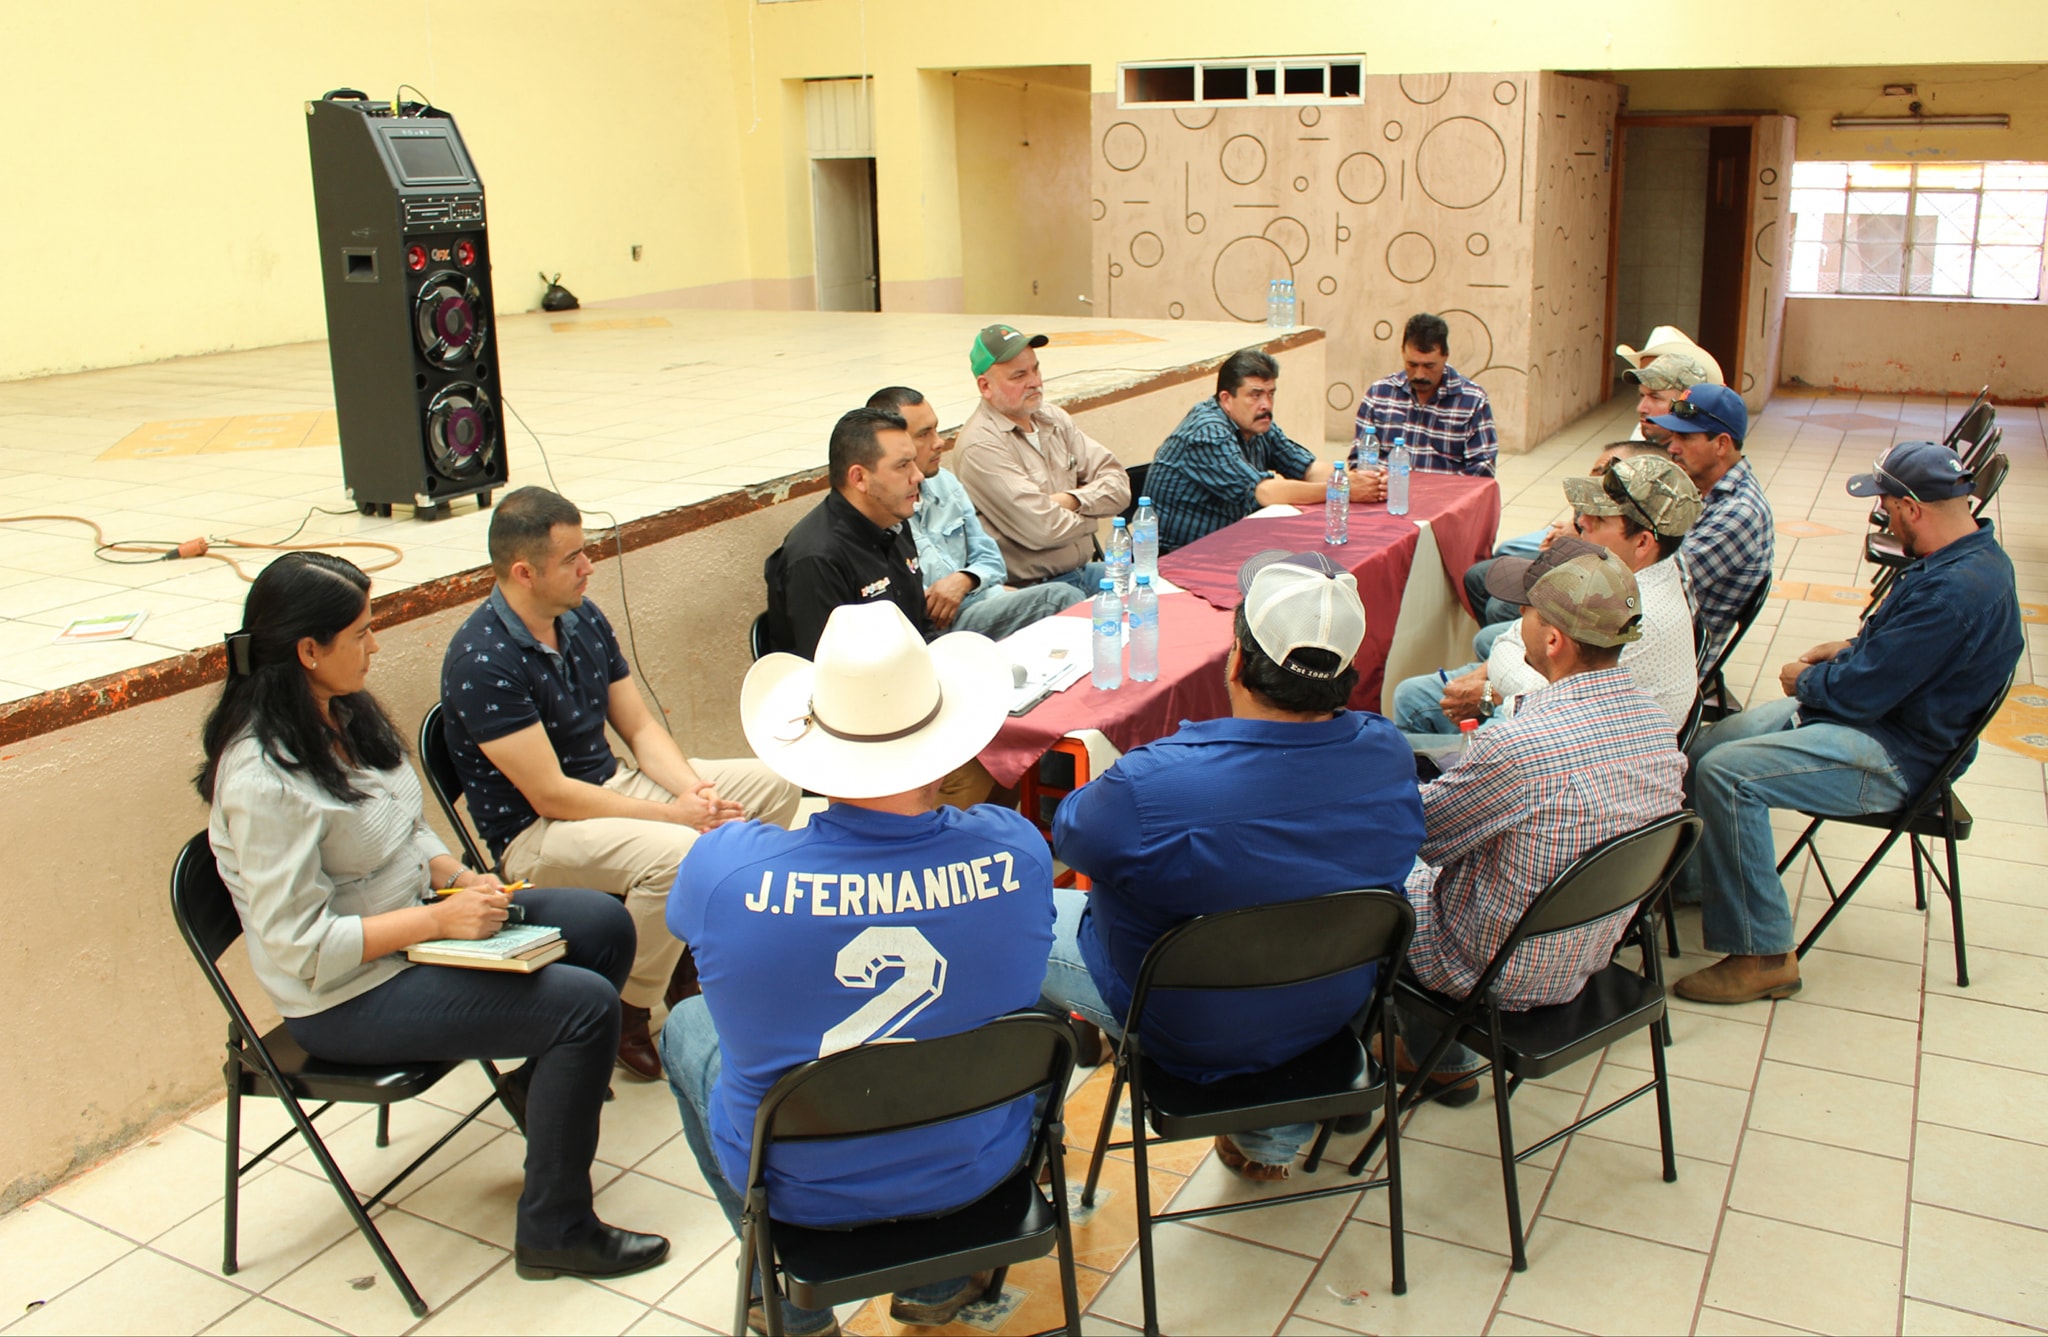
point(950, 538)
point(1929, 659)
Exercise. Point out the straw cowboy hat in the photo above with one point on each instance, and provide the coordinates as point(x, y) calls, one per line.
point(879, 712)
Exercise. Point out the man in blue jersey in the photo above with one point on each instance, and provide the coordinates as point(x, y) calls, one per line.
point(883, 919)
point(1214, 818)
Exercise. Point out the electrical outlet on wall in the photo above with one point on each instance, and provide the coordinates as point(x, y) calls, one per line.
point(636, 250)
point(1034, 287)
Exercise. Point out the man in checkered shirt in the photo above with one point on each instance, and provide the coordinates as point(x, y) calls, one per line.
point(1584, 759)
point(1445, 419)
point(1729, 550)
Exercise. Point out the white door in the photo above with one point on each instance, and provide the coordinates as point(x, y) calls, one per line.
point(843, 231)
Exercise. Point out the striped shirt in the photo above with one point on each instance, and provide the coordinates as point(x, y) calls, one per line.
point(1584, 759)
point(1451, 434)
point(1207, 474)
point(1727, 553)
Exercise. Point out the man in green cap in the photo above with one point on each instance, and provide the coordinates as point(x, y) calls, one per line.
point(1640, 511)
point(1040, 484)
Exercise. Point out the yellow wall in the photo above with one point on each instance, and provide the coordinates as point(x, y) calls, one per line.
point(157, 195)
point(1022, 139)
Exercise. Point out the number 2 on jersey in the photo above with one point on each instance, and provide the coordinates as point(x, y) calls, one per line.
point(861, 965)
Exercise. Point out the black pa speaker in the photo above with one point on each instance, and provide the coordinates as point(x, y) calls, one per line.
point(407, 270)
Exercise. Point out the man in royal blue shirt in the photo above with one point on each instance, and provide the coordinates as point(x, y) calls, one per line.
point(1865, 723)
point(881, 919)
point(1215, 818)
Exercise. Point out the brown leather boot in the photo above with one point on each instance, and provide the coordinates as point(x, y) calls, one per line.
point(637, 1054)
point(1742, 979)
point(683, 983)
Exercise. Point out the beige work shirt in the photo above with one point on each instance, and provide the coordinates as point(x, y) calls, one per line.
point(1012, 484)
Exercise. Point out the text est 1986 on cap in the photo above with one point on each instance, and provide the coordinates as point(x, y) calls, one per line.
point(1302, 601)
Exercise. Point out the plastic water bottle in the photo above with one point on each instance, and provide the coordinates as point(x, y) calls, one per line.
point(1399, 465)
point(1117, 556)
point(1337, 507)
point(1108, 614)
point(1273, 303)
point(1145, 538)
point(1290, 307)
point(1144, 632)
point(1369, 448)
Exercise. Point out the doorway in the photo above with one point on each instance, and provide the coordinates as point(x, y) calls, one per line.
point(844, 232)
point(1681, 232)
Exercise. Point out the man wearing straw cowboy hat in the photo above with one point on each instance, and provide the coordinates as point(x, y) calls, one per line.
point(886, 918)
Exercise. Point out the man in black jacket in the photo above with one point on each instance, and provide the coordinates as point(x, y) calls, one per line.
point(856, 545)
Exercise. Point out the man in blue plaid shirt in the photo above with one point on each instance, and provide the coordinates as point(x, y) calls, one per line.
point(1228, 458)
point(1443, 417)
point(1728, 552)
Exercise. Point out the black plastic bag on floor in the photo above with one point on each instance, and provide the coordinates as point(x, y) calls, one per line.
point(557, 298)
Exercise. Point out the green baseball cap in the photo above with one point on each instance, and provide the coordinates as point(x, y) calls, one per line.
point(1582, 589)
point(1648, 489)
point(999, 343)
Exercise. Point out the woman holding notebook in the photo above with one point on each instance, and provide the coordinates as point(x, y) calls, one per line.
point(318, 831)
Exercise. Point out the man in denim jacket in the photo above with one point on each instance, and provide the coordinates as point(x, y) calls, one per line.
point(962, 566)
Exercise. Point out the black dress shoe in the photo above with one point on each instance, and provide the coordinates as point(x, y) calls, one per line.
point(608, 1252)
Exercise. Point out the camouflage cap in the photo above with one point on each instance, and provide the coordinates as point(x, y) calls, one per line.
point(1580, 588)
point(1671, 371)
point(1648, 489)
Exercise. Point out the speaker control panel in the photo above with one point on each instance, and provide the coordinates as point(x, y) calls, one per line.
point(434, 211)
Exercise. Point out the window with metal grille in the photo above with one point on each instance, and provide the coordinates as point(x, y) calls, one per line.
point(1936, 229)
point(1293, 80)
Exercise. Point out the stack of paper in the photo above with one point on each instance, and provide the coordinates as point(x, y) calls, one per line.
point(524, 948)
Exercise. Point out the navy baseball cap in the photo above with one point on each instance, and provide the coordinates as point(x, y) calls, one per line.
point(1918, 470)
point(1709, 409)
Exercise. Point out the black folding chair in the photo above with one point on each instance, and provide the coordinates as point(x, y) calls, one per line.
point(1136, 473)
point(1713, 685)
point(1688, 732)
point(884, 1088)
point(759, 641)
point(446, 782)
point(1621, 875)
point(1935, 813)
point(274, 1065)
point(1265, 947)
point(1974, 422)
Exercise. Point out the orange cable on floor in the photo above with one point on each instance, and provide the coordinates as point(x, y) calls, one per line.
point(199, 547)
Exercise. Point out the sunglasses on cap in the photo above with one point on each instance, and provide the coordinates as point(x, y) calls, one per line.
point(1685, 408)
point(1618, 493)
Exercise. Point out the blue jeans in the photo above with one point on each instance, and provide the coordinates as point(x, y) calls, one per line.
point(1482, 642)
point(564, 1019)
point(690, 1057)
point(995, 613)
point(1743, 767)
point(1086, 578)
point(1070, 988)
point(1485, 607)
point(1418, 702)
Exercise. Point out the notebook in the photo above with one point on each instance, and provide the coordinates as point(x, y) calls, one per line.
point(512, 941)
point(524, 964)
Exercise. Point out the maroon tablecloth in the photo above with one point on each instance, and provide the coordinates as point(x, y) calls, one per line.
point(1194, 629)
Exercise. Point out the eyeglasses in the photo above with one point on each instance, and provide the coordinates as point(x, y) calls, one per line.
point(1894, 479)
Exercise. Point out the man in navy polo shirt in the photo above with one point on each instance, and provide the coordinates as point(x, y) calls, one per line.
point(887, 917)
point(1214, 818)
point(528, 684)
point(1864, 724)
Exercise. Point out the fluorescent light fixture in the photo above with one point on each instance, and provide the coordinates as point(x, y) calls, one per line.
point(1991, 121)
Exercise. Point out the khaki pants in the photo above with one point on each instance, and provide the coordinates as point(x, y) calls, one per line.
point(636, 859)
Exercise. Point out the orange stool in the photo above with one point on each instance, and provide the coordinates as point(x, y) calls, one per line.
point(1034, 792)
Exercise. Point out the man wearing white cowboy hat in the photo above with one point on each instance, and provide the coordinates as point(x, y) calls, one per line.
point(1212, 818)
point(804, 938)
point(1670, 339)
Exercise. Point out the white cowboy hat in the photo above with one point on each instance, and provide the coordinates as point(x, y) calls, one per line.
point(880, 712)
point(1670, 339)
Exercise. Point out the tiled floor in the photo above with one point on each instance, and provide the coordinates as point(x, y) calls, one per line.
point(1867, 1157)
point(640, 415)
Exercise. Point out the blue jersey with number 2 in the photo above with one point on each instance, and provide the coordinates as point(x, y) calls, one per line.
point(864, 926)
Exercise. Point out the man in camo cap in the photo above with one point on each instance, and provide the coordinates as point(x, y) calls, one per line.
point(1661, 381)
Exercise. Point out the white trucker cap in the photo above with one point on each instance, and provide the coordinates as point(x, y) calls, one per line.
point(1302, 601)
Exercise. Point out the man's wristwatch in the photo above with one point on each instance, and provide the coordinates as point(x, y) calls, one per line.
point(1487, 700)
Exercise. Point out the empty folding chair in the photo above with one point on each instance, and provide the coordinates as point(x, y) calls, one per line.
point(1935, 813)
point(1715, 701)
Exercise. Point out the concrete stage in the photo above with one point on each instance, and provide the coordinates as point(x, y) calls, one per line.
point(664, 419)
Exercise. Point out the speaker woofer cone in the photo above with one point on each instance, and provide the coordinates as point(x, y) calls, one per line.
point(448, 319)
point(462, 432)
